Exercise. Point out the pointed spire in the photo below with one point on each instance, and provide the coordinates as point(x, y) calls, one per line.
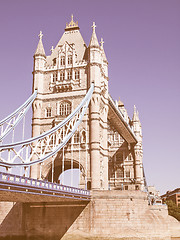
point(94, 40)
point(120, 103)
point(40, 48)
point(52, 49)
point(102, 49)
point(135, 115)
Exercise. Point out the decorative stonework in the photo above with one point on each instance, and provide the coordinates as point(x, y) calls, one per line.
point(72, 25)
point(66, 75)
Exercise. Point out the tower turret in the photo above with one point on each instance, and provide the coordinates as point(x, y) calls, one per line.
point(38, 82)
point(39, 64)
point(104, 59)
point(94, 77)
point(138, 150)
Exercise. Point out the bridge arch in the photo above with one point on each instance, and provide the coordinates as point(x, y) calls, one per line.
point(57, 168)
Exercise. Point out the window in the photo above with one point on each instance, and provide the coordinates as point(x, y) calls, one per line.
point(62, 76)
point(69, 75)
point(54, 62)
point(48, 112)
point(126, 187)
point(83, 137)
point(70, 59)
point(130, 157)
point(55, 77)
point(62, 60)
point(119, 173)
point(65, 109)
point(76, 137)
point(128, 174)
point(77, 75)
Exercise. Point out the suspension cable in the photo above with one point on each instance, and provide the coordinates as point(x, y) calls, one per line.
point(23, 134)
point(32, 145)
point(16, 116)
point(79, 157)
point(72, 142)
point(52, 179)
point(40, 170)
point(63, 167)
point(86, 151)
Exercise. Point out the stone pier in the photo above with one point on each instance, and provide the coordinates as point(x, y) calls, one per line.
point(109, 215)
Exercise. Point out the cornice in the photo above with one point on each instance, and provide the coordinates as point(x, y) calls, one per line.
point(38, 71)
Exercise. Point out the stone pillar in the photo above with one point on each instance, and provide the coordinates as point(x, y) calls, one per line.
point(94, 140)
point(38, 82)
point(138, 167)
point(36, 131)
point(105, 144)
point(95, 78)
point(138, 151)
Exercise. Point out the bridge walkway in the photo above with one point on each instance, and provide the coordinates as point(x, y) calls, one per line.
point(15, 188)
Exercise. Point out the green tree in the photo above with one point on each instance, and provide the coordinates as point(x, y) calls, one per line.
point(173, 210)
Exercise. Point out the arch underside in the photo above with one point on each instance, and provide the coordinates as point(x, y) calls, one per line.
point(58, 167)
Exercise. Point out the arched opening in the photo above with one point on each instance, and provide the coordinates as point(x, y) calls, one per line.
point(73, 174)
point(70, 177)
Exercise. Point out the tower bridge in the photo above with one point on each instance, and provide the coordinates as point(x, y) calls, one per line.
point(108, 142)
point(76, 125)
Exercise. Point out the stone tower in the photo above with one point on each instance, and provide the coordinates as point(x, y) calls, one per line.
point(105, 147)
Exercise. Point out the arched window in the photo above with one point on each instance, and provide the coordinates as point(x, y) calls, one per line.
point(62, 76)
point(70, 59)
point(55, 77)
point(127, 173)
point(65, 109)
point(62, 61)
point(83, 136)
point(77, 74)
point(76, 137)
point(69, 75)
point(54, 62)
point(48, 112)
point(120, 173)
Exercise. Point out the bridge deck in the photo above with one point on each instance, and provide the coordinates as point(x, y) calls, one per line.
point(115, 116)
point(15, 188)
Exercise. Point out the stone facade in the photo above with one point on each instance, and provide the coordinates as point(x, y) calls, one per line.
point(105, 148)
point(123, 215)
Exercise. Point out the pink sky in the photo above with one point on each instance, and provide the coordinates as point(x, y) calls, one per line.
point(142, 44)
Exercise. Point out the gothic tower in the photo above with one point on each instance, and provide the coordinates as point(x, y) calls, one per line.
point(104, 148)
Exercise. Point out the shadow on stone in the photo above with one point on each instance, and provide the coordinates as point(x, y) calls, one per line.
point(38, 221)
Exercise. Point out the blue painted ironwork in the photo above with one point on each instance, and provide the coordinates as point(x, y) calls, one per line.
point(20, 184)
point(69, 125)
point(10, 122)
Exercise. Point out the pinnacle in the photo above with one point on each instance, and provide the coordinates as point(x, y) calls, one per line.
point(94, 40)
point(120, 103)
point(135, 115)
point(40, 48)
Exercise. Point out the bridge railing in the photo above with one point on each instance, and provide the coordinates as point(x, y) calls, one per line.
point(22, 184)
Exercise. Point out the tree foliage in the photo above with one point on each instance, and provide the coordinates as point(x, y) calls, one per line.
point(173, 210)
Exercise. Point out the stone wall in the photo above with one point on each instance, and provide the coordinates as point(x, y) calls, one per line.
point(122, 215)
point(109, 215)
